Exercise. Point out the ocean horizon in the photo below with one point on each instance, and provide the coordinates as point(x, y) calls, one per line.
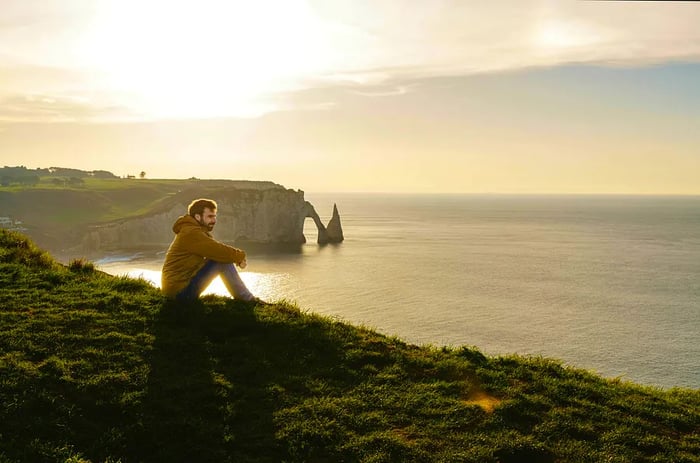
point(609, 283)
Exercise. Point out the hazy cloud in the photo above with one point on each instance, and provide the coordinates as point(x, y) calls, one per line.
point(49, 108)
point(188, 61)
point(19, 78)
point(450, 38)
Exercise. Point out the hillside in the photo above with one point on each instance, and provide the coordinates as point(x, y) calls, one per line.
point(103, 369)
point(56, 211)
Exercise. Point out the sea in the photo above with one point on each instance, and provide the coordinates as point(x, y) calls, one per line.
point(610, 284)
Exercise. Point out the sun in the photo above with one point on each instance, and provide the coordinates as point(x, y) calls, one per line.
point(562, 35)
point(206, 58)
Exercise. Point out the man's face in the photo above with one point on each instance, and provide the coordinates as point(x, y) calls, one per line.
point(207, 219)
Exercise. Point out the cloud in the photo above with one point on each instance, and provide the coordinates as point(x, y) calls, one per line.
point(387, 46)
point(388, 91)
point(49, 108)
point(34, 93)
point(141, 59)
point(451, 38)
point(19, 77)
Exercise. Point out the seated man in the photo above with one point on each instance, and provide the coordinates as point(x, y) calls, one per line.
point(195, 258)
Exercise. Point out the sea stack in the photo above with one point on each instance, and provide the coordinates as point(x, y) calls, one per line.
point(334, 229)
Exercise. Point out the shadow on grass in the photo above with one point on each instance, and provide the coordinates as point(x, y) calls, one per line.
point(216, 372)
point(181, 409)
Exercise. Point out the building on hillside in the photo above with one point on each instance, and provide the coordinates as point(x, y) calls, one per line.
point(9, 224)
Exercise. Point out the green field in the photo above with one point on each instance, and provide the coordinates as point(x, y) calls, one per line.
point(92, 201)
point(57, 201)
point(104, 369)
point(55, 211)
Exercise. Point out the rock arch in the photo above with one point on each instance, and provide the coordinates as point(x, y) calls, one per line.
point(333, 233)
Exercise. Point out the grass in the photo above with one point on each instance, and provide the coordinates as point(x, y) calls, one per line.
point(103, 369)
point(57, 215)
point(97, 200)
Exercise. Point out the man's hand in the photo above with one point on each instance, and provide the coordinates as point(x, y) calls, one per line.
point(243, 264)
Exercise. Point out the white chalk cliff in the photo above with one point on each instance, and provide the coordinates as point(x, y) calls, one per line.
point(260, 216)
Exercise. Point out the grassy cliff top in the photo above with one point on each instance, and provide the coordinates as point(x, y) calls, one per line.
point(104, 369)
point(56, 213)
point(55, 203)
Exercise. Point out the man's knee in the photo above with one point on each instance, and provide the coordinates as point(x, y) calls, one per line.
point(221, 267)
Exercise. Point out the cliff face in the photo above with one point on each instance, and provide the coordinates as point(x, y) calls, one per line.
point(269, 216)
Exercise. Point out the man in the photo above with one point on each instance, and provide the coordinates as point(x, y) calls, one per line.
point(195, 258)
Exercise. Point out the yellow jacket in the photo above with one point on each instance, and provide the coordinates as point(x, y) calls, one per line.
point(189, 251)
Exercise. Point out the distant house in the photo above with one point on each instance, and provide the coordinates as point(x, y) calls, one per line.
point(9, 224)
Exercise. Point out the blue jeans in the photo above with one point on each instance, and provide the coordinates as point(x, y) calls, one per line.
point(205, 275)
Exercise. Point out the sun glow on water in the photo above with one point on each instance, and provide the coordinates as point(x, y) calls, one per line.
point(263, 285)
point(599, 282)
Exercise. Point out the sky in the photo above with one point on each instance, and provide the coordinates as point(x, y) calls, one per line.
point(406, 96)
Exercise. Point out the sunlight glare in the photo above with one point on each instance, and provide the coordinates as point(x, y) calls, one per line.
point(264, 285)
point(204, 59)
point(560, 35)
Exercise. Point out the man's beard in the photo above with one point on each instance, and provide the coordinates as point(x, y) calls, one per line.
point(209, 227)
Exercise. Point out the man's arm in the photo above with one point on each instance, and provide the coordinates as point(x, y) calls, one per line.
point(201, 244)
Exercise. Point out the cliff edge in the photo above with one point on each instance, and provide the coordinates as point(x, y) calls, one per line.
point(98, 368)
point(267, 216)
point(108, 214)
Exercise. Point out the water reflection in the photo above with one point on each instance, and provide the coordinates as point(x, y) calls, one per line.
point(263, 285)
point(273, 273)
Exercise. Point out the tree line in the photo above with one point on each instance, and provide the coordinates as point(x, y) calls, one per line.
point(21, 175)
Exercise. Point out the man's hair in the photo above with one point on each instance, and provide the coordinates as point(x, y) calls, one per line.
point(198, 205)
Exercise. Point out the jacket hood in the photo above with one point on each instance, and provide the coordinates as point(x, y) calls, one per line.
point(184, 222)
